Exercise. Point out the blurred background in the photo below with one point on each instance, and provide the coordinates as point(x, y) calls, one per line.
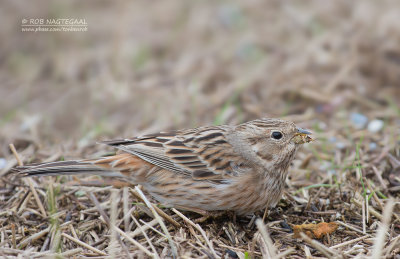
point(147, 66)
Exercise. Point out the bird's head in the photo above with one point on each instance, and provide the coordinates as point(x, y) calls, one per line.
point(271, 142)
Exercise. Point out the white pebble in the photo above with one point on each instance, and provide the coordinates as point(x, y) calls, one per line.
point(372, 146)
point(325, 165)
point(3, 163)
point(340, 145)
point(375, 125)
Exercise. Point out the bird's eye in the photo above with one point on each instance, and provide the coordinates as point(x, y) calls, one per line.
point(276, 135)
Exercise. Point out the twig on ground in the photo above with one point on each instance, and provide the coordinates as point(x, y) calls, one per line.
point(83, 244)
point(383, 228)
point(147, 238)
point(133, 241)
point(326, 251)
point(34, 237)
point(349, 242)
point(267, 240)
point(158, 210)
point(198, 227)
point(125, 203)
point(29, 181)
point(164, 228)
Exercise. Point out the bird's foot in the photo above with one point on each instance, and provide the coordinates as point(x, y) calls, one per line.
point(206, 215)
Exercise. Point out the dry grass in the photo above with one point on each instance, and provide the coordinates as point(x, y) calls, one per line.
point(184, 64)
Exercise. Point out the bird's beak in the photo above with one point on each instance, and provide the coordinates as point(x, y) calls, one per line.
point(302, 136)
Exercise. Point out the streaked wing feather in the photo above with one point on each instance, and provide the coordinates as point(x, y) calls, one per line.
point(213, 152)
point(150, 156)
point(202, 152)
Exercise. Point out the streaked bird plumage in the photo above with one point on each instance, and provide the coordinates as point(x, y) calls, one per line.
point(240, 168)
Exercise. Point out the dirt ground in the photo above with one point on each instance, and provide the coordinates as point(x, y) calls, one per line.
point(141, 67)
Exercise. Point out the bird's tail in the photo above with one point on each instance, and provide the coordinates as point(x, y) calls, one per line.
point(108, 166)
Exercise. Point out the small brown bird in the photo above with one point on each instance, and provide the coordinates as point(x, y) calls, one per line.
point(239, 168)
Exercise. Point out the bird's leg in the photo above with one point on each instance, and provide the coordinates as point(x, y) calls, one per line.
point(208, 215)
point(205, 215)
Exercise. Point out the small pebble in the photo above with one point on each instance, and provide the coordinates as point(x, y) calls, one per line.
point(3, 163)
point(359, 120)
point(44, 226)
point(231, 253)
point(372, 146)
point(68, 217)
point(322, 125)
point(30, 122)
point(325, 165)
point(375, 126)
point(285, 225)
point(344, 195)
point(340, 145)
point(332, 139)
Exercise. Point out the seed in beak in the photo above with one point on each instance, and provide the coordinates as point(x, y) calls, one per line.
point(302, 136)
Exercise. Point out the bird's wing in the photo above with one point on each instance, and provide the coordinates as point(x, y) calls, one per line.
point(202, 153)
